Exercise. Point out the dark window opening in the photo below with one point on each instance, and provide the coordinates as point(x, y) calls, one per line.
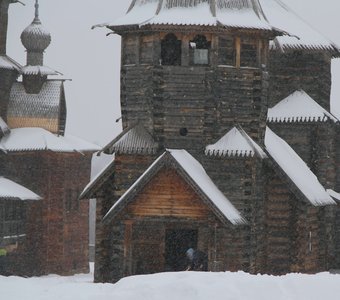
point(183, 132)
point(177, 242)
point(200, 50)
point(171, 50)
point(14, 219)
point(248, 54)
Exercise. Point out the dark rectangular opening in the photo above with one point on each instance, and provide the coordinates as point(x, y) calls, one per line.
point(177, 242)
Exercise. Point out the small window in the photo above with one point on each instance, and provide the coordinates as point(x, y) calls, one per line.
point(171, 51)
point(200, 50)
point(183, 131)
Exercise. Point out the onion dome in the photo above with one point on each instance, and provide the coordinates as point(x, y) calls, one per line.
point(35, 37)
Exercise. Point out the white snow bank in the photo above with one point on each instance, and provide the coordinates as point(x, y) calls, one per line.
point(175, 286)
point(297, 170)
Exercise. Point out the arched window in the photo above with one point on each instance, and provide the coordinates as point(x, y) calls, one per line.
point(200, 50)
point(171, 50)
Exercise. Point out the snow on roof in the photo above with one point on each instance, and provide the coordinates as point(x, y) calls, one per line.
point(42, 70)
point(229, 13)
point(299, 107)
point(250, 14)
point(195, 171)
point(4, 129)
point(39, 139)
point(134, 139)
point(86, 193)
point(297, 170)
point(301, 34)
point(9, 64)
point(12, 190)
point(235, 143)
point(334, 194)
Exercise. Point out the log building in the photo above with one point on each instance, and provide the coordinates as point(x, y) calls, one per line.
point(228, 144)
point(49, 234)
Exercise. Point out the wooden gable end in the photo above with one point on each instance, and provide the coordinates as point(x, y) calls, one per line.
point(168, 195)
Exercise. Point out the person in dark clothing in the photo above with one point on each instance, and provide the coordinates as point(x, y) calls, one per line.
point(197, 260)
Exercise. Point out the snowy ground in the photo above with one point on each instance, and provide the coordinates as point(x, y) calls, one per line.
point(175, 286)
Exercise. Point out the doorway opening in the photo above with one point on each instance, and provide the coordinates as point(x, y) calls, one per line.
point(177, 242)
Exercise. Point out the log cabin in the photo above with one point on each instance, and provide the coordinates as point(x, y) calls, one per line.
point(38, 156)
point(228, 143)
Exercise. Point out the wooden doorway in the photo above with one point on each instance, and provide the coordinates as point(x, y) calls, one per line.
point(177, 242)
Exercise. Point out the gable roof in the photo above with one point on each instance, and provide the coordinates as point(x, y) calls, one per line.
point(134, 139)
point(8, 63)
point(96, 183)
point(296, 170)
point(9, 190)
point(299, 107)
point(193, 172)
point(235, 143)
point(39, 139)
point(36, 110)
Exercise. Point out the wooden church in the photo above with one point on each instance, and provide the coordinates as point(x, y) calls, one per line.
point(228, 143)
point(43, 226)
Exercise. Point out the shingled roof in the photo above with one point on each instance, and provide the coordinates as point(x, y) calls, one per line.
point(235, 143)
point(36, 110)
point(271, 15)
point(227, 13)
point(299, 107)
point(39, 139)
point(8, 63)
point(134, 139)
point(194, 174)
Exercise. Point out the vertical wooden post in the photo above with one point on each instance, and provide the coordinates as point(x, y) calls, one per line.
point(128, 248)
point(214, 50)
point(185, 50)
point(259, 53)
point(138, 45)
point(238, 52)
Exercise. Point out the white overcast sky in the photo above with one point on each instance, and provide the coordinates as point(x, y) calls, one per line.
point(92, 60)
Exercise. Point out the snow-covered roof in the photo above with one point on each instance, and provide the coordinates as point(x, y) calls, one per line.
point(9, 64)
point(93, 184)
point(193, 171)
point(39, 139)
point(12, 190)
point(228, 13)
point(299, 107)
point(296, 170)
point(134, 139)
point(4, 129)
point(301, 35)
point(274, 15)
point(36, 110)
point(235, 143)
point(39, 70)
point(334, 194)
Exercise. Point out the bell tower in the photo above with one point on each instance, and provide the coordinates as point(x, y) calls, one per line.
point(191, 70)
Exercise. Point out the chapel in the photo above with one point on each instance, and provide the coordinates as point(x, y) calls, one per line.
point(43, 225)
point(228, 143)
